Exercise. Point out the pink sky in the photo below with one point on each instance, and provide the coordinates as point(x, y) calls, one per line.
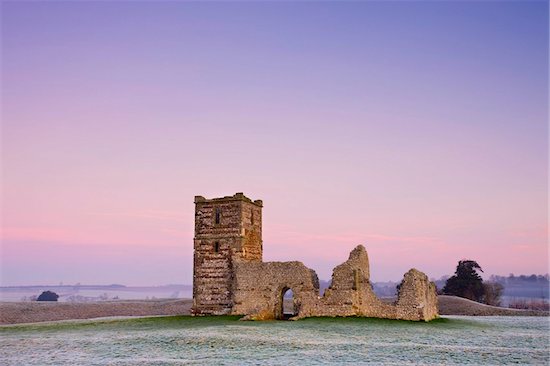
point(416, 129)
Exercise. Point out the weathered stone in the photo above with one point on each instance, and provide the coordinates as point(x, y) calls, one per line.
point(230, 278)
point(226, 229)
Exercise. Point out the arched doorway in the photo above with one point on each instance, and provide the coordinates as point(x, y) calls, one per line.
point(288, 304)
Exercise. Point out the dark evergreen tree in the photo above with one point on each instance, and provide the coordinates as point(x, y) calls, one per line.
point(466, 282)
point(48, 296)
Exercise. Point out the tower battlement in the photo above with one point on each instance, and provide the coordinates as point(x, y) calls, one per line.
point(236, 197)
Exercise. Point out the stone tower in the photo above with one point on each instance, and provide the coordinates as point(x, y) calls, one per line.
point(226, 229)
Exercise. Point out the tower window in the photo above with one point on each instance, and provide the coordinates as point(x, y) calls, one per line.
point(218, 214)
point(251, 217)
point(217, 246)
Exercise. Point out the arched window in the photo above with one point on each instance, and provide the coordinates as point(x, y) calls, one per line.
point(218, 215)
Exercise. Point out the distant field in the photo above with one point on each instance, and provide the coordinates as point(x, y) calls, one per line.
point(29, 312)
point(98, 293)
point(32, 312)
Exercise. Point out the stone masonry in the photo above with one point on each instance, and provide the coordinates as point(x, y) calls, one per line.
point(230, 277)
point(227, 230)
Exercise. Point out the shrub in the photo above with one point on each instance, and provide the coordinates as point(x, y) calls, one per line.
point(492, 292)
point(48, 296)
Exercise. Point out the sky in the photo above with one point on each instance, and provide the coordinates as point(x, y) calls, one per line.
point(418, 129)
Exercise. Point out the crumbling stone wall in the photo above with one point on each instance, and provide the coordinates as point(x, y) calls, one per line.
point(230, 277)
point(417, 298)
point(258, 290)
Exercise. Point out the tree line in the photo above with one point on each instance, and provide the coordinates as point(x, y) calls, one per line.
point(513, 280)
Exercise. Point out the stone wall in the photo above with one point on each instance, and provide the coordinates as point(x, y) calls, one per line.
point(259, 288)
point(251, 231)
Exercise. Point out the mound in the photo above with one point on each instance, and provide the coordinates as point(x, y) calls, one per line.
point(453, 305)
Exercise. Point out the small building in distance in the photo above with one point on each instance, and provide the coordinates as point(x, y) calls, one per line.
point(230, 277)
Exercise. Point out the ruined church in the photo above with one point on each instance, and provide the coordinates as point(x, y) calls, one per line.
point(230, 277)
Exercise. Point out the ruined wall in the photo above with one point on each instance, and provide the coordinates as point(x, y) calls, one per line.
point(417, 299)
point(350, 291)
point(259, 288)
point(351, 294)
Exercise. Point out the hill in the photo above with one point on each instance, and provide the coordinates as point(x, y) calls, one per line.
point(453, 305)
